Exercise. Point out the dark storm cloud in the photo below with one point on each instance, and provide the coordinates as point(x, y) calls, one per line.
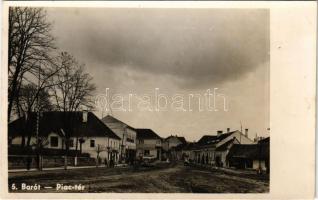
point(197, 47)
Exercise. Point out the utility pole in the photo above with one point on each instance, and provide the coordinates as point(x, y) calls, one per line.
point(259, 157)
point(123, 144)
point(38, 125)
point(241, 131)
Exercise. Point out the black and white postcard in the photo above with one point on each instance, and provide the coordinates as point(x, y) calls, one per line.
point(131, 99)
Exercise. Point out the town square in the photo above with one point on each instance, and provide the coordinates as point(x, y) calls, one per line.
point(133, 100)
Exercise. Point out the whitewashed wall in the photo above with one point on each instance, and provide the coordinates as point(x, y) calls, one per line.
point(104, 142)
point(171, 142)
point(124, 132)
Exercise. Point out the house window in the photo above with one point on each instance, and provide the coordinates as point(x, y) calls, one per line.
point(92, 143)
point(146, 152)
point(54, 141)
point(131, 140)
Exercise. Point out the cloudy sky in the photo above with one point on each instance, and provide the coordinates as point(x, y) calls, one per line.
point(179, 51)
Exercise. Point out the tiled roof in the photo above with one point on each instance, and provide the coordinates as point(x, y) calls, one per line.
point(144, 133)
point(70, 122)
point(207, 139)
point(213, 139)
point(265, 140)
point(249, 151)
point(181, 139)
point(111, 119)
point(225, 146)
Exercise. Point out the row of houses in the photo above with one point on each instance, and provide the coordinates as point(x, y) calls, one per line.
point(110, 139)
point(229, 149)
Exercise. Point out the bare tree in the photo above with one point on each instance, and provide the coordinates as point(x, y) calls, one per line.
point(35, 73)
point(24, 106)
point(30, 44)
point(70, 89)
point(25, 101)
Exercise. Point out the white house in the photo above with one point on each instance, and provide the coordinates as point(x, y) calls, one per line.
point(149, 144)
point(127, 135)
point(173, 147)
point(173, 141)
point(82, 132)
point(213, 149)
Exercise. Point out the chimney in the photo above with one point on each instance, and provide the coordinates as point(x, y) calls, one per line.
point(228, 130)
point(219, 133)
point(246, 132)
point(85, 113)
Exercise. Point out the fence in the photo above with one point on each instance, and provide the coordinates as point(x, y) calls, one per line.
point(31, 161)
point(22, 162)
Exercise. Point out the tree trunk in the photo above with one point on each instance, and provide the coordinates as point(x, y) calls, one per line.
point(65, 162)
point(13, 92)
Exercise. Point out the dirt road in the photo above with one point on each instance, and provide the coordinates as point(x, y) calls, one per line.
point(168, 179)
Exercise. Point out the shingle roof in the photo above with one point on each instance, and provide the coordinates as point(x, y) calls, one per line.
point(70, 122)
point(144, 133)
point(249, 151)
point(181, 139)
point(111, 119)
point(213, 139)
point(265, 140)
point(225, 135)
point(225, 146)
point(207, 139)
